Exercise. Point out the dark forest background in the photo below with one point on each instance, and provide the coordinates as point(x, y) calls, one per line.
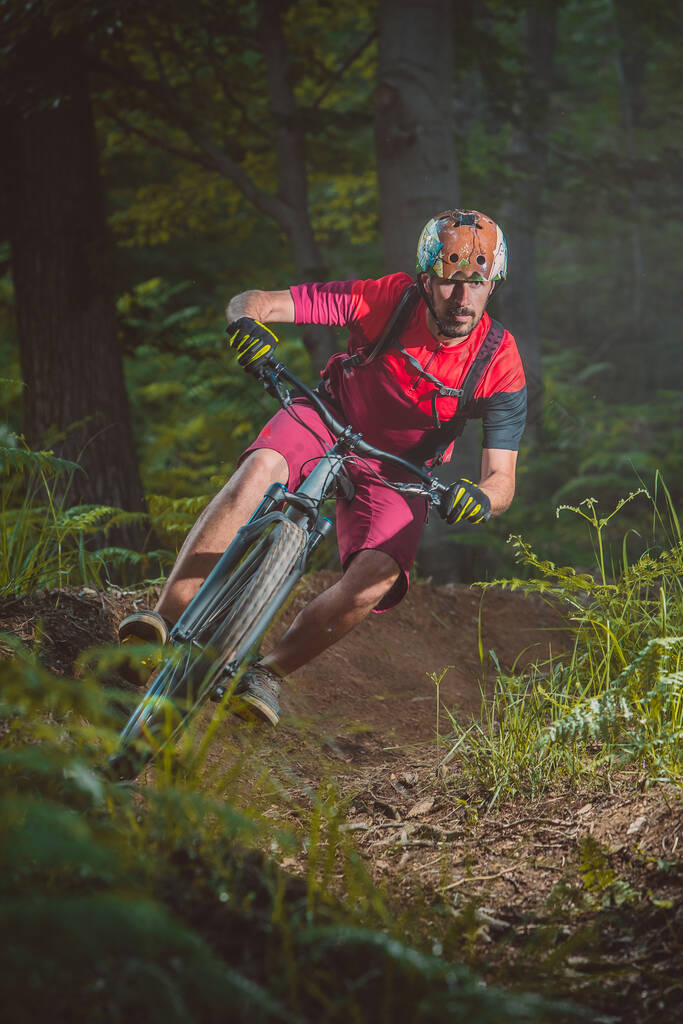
point(159, 158)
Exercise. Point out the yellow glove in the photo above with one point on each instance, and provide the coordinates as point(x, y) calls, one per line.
point(252, 341)
point(464, 501)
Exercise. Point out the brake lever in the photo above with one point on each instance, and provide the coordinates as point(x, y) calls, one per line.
point(436, 493)
point(432, 494)
point(269, 376)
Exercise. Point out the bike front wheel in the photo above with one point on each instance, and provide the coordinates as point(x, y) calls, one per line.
point(244, 606)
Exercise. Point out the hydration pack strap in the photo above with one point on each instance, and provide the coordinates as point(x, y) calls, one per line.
point(455, 426)
point(391, 330)
point(487, 351)
point(443, 390)
point(435, 446)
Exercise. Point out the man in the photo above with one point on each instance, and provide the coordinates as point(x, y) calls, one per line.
point(403, 401)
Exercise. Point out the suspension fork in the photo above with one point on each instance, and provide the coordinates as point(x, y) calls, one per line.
point(306, 502)
point(201, 605)
point(303, 508)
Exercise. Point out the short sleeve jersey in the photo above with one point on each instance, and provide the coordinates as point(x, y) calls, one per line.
point(388, 401)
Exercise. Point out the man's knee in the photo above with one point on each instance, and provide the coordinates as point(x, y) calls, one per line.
point(241, 494)
point(371, 574)
point(265, 463)
point(254, 475)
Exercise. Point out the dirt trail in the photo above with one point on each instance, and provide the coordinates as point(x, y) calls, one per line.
point(508, 887)
point(378, 675)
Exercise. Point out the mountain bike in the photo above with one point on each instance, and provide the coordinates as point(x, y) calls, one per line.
point(218, 633)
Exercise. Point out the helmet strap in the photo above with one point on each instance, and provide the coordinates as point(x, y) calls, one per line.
point(430, 305)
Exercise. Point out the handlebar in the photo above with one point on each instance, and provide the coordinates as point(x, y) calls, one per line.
point(272, 373)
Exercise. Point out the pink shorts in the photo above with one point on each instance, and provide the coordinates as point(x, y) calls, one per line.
point(377, 518)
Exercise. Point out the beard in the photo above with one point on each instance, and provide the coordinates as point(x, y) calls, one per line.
point(451, 327)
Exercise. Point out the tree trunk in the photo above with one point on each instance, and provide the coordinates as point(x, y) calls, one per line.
point(631, 59)
point(321, 342)
point(418, 177)
point(414, 137)
point(75, 398)
point(520, 214)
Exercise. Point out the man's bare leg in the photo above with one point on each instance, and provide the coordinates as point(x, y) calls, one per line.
point(320, 624)
point(333, 613)
point(216, 527)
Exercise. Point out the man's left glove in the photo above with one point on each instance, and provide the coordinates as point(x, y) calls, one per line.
point(465, 502)
point(252, 342)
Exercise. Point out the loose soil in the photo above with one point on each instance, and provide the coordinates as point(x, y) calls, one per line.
point(575, 893)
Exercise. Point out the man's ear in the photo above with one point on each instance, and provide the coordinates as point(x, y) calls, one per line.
point(426, 280)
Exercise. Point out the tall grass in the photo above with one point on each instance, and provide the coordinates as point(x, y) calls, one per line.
point(44, 542)
point(616, 698)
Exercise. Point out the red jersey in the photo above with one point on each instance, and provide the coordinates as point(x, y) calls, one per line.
point(388, 401)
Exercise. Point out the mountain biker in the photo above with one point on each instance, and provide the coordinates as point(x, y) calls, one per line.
point(399, 402)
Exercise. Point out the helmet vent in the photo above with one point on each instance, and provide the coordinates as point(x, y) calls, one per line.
point(458, 242)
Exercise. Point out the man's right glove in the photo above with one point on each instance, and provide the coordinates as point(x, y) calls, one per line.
point(465, 502)
point(252, 341)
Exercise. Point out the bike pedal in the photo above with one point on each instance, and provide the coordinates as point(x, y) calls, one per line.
point(218, 692)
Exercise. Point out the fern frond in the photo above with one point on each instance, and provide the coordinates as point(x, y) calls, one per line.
point(23, 460)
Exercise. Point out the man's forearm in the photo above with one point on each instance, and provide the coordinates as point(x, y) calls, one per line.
point(497, 479)
point(245, 304)
point(273, 307)
point(500, 490)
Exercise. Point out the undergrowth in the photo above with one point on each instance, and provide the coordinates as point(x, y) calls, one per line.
point(615, 698)
point(44, 542)
point(163, 901)
point(47, 543)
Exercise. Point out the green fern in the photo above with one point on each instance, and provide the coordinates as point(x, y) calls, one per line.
point(172, 518)
point(615, 698)
point(45, 544)
point(15, 459)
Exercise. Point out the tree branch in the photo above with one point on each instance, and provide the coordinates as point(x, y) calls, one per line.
point(269, 204)
point(154, 140)
point(341, 71)
point(230, 95)
point(218, 159)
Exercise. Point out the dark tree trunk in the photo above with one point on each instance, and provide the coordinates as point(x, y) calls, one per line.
point(414, 134)
point(418, 177)
point(631, 60)
point(292, 177)
point(520, 214)
point(75, 398)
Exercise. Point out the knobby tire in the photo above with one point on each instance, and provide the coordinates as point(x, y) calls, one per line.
point(182, 686)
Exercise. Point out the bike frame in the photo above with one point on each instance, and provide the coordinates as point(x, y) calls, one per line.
point(302, 506)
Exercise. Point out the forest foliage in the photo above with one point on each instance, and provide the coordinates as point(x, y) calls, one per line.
point(196, 199)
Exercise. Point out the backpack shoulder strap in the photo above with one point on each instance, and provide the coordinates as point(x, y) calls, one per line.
point(487, 351)
point(455, 426)
point(392, 329)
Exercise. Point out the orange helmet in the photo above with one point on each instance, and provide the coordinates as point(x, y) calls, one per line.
point(463, 241)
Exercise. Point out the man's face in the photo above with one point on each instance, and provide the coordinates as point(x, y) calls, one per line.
point(459, 303)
